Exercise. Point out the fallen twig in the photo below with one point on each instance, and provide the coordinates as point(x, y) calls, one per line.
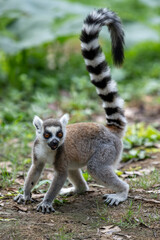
point(144, 199)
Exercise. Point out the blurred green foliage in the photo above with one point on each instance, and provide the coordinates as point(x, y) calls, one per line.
point(140, 140)
point(40, 55)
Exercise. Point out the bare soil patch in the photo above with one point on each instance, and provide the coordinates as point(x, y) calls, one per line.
point(84, 216)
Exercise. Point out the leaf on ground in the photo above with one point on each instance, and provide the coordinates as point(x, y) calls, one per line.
point(21, 208)
point(7, 219)
point(156, 186)
point(140, 190)
point(7, 196)
point(96, 185)
point(109, 230)
point(123, 235)
point(118, 172)
point(12, 189)
point(147, 171)
point(1, 204)
point(141, 172)
point(154, 191)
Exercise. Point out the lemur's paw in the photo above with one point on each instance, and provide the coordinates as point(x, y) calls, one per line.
point(21, 199)
point(45, 207)
point(114, 199)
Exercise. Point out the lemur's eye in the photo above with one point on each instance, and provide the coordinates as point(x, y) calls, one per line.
point(47, 135)
point(60, 134)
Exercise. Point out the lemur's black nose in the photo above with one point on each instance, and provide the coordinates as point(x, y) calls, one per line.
point(53, 144)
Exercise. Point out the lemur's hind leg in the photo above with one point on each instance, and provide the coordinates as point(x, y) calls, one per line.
point(79, 184)
point(100, 170)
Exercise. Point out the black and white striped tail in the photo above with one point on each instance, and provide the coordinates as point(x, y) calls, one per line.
point(96, 63)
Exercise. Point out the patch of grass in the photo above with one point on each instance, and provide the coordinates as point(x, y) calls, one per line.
point(59, 202)
point(102, 211)
point(63, 234)
point(127, 218)
point(5, 178)
point(105, 216)
point(146, 181)
point(14, 147)
point(130, 218)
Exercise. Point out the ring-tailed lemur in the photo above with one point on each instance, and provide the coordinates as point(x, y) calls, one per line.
point(71, 147)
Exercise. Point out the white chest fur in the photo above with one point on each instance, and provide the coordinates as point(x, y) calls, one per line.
point(44, 153)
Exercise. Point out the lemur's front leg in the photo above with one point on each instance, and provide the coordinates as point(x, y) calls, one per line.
point(57, 183)
point(32, 178)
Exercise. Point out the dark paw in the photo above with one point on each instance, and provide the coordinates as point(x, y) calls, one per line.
point(21, 199)
point(45, 207)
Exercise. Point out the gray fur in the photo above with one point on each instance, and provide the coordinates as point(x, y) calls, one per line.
point(52, 122)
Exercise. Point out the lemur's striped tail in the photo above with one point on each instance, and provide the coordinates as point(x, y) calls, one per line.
point(97, 66)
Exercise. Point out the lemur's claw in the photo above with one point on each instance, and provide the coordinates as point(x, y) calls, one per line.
point(21, 199)
point(113, 199)
point(110, 200)
point(45, 207)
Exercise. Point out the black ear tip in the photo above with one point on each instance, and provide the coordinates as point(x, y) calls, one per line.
point(36, 126)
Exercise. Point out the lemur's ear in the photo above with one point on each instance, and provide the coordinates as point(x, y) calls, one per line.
point(64, 119)
point(37, 122)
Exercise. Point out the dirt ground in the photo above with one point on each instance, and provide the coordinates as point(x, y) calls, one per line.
point(85, 216)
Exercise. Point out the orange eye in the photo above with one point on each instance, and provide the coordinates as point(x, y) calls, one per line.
point(60, 134)
point(46, 135)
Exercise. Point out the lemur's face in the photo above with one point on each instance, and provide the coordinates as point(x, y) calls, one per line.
point(51, 131)
point(53, 134)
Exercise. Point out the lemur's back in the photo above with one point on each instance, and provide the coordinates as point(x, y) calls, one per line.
point(84, 139)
